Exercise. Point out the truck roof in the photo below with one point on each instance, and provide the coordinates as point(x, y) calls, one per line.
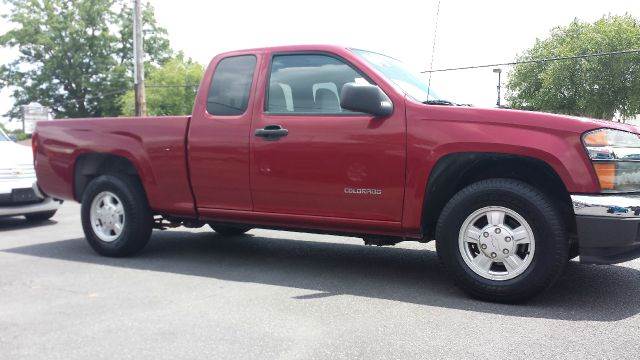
point(283, 48)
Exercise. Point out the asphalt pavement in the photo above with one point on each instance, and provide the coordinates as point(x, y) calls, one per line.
point(193, 294)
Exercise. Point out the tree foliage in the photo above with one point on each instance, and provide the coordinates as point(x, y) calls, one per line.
point(75, 56)
point(599, 87)
point(171, 88)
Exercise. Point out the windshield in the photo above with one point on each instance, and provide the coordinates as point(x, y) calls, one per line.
point(410, 82)
point(3, 136)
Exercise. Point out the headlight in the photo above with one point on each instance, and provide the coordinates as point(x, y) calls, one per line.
point(616, 158)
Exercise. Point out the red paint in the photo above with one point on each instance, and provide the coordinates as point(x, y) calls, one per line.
point(299, 180)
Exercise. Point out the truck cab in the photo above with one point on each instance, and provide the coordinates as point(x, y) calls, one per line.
point(271, 124)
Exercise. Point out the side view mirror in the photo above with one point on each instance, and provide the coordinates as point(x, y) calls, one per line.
point(365, 98)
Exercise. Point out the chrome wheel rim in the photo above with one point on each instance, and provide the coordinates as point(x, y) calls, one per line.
point(496, 243)
point(107, 216)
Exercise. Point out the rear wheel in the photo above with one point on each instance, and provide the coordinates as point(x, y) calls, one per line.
point(502, 240)
point(228, 230)
point(40, 216)
point(116, 218)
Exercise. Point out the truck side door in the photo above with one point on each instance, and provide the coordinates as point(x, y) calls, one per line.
point(322, 160)
point(218, 139)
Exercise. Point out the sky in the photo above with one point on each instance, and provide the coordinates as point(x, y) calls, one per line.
point(468, 32)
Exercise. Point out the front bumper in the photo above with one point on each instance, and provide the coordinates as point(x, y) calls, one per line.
point(46, 204)
point(608, 227)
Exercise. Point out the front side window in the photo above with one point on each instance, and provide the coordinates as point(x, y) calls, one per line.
point(3, 136)
point(308, 83)
point(231, 85)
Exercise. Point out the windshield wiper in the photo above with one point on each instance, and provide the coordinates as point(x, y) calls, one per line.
point(438, 102)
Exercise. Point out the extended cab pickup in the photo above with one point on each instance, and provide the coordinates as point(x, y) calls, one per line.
point(344, 141)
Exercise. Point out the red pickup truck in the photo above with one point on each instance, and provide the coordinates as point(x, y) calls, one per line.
point(345, 141)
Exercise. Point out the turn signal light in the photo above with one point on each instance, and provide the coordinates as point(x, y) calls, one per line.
point(615, 155)
point(606, 175)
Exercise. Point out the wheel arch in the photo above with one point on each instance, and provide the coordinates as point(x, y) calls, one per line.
point(91, 165)
point(453, 172)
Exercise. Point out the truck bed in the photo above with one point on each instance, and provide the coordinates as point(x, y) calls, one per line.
point(154, 145)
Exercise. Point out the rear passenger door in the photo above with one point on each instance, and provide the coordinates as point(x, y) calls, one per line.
point(332, 162)
point(219, 135)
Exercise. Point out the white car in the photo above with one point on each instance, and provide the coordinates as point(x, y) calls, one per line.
point(19, 194)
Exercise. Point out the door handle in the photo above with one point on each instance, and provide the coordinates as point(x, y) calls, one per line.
point(272, 132)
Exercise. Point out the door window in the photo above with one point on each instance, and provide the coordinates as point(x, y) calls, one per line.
point(308, 84)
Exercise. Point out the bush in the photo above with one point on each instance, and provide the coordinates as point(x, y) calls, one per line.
point(20, 135)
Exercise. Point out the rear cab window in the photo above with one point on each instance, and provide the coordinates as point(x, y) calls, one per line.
point(231, 86)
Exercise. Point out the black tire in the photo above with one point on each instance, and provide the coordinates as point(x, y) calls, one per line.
point(40, 216)
point(551, 242)
point(228, 230)
point(139, 219)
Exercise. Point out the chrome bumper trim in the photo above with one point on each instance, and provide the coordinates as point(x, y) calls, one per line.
point(36, 190)
point(619, 206)
point(46, 205)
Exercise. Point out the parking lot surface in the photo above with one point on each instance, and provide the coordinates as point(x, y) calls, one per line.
point(272, 294)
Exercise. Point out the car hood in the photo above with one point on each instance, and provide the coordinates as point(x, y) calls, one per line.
point(520, 118)
point(12, 154)
point(562, 122)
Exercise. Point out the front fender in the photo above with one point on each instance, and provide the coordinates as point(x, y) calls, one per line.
point(430, 140)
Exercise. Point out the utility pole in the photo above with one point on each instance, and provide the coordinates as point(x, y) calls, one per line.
point(138, 60)
point(499, 72)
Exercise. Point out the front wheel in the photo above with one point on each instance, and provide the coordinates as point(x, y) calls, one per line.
point(116, 218)
point(502, 240)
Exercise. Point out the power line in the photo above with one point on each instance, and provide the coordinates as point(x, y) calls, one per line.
point(122, 91)
point(171, 85)
point(621, 52)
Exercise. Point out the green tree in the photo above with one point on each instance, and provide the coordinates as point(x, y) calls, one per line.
point(171, 88)
point(75, 56)
point(596, 87)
